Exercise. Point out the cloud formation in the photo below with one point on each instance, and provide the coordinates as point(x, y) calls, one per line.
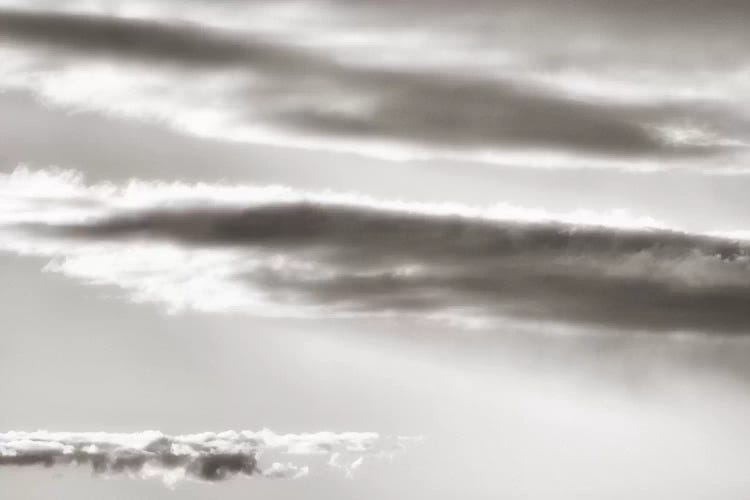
point(207, 456)
point(276, 251)
point(526, 101)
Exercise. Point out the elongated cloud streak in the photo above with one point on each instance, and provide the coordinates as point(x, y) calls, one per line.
point(207, 456)
point(277, 251)
point(353, 85)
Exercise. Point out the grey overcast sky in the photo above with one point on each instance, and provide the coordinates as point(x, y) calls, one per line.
point(374, 249)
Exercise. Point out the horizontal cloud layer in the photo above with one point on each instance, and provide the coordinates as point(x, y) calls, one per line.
point(366, 81)
point(207, 456)
point(276, 251)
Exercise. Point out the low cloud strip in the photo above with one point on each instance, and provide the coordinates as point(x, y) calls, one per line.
point(208, 456)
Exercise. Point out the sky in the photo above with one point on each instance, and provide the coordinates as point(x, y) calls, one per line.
point(357, 249)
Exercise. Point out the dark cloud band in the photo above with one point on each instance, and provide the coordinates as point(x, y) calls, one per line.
point(374, 261)
point(441, 109)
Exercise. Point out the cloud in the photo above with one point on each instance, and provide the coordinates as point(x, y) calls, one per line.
point(254, 85)
point(207, 456)
point(159, 41)
point(372, 261)
point(280, 252)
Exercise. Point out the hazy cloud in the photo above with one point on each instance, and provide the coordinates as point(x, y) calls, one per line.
point(447, 109)
point(528, 101)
